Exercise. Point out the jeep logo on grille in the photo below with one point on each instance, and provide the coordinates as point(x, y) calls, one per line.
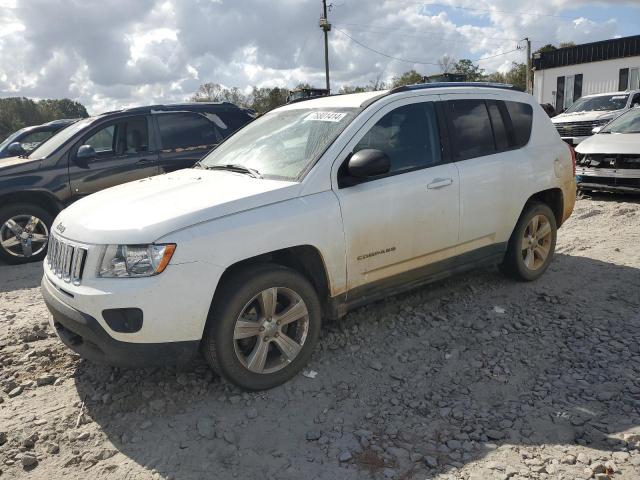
point(61, 228)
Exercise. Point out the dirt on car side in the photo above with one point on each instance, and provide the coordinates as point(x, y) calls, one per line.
point(477, 377)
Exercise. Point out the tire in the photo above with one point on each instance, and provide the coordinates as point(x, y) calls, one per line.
point(527, 262)
point(17, 220)
point(235, 352)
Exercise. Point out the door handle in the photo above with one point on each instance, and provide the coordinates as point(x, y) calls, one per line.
point(439, 183)
point(143, 161)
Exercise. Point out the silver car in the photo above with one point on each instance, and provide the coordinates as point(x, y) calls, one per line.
point(610, 160)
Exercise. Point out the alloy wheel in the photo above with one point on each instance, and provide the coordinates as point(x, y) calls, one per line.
point(536, 242)
point(24, 236)
point(271, 330)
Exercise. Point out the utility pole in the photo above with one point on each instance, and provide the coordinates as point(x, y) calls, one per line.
point(529, 89)
point(326, 28)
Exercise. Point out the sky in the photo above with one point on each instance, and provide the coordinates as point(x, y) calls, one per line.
point(110, 54)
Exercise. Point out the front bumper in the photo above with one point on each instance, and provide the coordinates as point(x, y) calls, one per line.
point(83, 334)
point(625, 180)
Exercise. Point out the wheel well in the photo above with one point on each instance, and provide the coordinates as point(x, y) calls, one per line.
point(553, 199)
point(305, 259)
point(41, 199)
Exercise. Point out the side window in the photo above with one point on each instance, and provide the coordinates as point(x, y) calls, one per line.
point(103, 140)
point(498, 124)
point(36, 137)
point(521, 117)
point(234, 121)
point(408, 135)
point(636, 100)
point(470, 128)
point(133, 136)
point(183, 130)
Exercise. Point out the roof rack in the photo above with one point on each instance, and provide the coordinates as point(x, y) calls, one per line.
point(426, 86)
point(170, 107)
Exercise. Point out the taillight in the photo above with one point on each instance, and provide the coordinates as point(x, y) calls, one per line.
point(573, 159)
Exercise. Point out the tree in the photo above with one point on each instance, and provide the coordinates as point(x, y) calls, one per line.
point(546, 48)
point(407, 78)
point(446, 63)
point(64, 108)
point(208, 92)
point(496, 77)
point(20, 112)
point(567, 44)
point(471, 71)
point(350, 89)
point(265, 99)
point(517, 76)
point(234, 95)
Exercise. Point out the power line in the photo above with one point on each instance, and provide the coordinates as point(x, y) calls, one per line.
point(423, 28)
point(355, 26)
point(497, 55)
point(382, 53)
point(486, 10)
point(413, 61)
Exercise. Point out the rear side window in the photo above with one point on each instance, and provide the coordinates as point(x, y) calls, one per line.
point(183, 130)
point(521, 118)
point(499, 127)
point(235, 120)
point(471, 128)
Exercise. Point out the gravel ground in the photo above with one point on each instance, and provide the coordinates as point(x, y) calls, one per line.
point(477, 377)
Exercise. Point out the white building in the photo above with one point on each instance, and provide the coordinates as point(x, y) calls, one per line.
point(564, 75)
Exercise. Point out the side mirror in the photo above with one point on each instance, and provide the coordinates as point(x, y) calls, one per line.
point(595, 130)
point(16, 149)
point(86, 152)
point(368, 163)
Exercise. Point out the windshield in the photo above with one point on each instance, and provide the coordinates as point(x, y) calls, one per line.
point(626, 123)
point(282, 144)
point(601, 103)
point(60, 138)
point(10, 139)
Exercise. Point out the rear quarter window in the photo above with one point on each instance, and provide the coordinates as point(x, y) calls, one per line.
point(521, 118)
point(185, 130)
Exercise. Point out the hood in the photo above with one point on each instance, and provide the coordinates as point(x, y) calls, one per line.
point(145, 210)
point(621, 143)
point(586, 116)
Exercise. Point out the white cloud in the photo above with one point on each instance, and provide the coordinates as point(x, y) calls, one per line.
point(113, 53)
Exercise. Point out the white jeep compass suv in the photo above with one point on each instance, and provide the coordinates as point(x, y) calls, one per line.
point(313, 209)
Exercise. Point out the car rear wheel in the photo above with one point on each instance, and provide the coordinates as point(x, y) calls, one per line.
point(24, 233)
point(532, 243)
point(263, 326)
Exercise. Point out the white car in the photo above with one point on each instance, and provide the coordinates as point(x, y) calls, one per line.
point(315, 208)
point(610, 160)
point(593, 111)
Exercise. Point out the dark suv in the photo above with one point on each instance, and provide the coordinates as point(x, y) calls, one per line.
point(27, 139)
point(100, 152)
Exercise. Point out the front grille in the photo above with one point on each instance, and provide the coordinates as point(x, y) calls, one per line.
point(66, 260)
point(578, 129)
point(616, 161)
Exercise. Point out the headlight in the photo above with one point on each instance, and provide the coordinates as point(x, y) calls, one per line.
point(135, 260)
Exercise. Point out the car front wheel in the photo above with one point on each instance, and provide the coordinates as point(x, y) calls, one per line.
point(263, 326)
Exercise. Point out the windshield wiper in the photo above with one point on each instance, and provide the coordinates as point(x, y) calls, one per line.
point(234, 167)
